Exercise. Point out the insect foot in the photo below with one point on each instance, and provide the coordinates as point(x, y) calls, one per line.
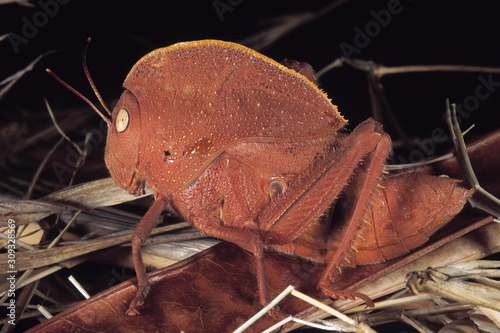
point(140, 296)
point(344, 294)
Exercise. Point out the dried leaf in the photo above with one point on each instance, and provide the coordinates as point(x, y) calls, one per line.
point(460, 326)
point(39, 258)
point(216, 290)
point(87, 196)
point(436, 282)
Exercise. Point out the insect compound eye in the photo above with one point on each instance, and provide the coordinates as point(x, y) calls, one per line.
point(122, 120)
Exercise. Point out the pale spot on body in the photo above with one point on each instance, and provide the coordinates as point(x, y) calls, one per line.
point(187, 90)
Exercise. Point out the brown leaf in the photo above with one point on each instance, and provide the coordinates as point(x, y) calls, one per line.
point(216, 290)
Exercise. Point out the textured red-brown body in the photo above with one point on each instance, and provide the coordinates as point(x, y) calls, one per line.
point(196, 99)
point(250, 151)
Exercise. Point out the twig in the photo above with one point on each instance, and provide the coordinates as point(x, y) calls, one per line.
point(44, 311)
point(379, 70)
point(359, 327)
point(266, 309)
point(464, 160)
point(40, 169)
point(24, 3)
point(18, 242)
point(11, 80)
point(454, 286)
point(56, 240)
point(283, 25)
point(49, 109)
point(415, 324)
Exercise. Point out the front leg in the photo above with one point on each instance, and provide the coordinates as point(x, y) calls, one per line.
point(141, 235)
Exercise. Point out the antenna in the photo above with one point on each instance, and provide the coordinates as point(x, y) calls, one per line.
point(70, 88)
point(89, 78)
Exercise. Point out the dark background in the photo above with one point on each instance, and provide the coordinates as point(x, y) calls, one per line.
point(422, 33)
